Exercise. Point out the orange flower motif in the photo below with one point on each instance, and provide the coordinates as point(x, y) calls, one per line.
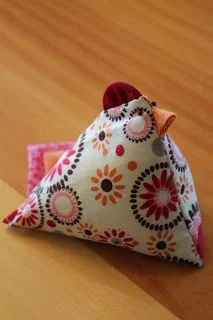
point(162, 244)
point(87, 231)
point(107, 185)
point(184, 188)
point(102, 138)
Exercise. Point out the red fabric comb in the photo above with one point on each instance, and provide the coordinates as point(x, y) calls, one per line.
point(118, 93)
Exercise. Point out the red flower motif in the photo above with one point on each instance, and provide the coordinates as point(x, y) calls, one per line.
point(160, 196)
point(27, 213)
point(64, 161)
point(118, 238)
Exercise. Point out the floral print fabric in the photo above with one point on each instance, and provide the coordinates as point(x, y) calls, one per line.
point(123, 185)
point(106, 185)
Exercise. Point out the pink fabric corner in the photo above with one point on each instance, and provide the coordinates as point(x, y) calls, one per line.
point(35, 154)
point(200, 243)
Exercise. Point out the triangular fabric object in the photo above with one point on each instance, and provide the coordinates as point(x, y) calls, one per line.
point(121, 184)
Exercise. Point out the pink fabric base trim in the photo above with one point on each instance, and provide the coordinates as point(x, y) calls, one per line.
point(35, 153)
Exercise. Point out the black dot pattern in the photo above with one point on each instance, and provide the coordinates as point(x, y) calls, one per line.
point(180, 166)
point(181, 260)
point(118, 115)
point(41, 209)
point(77, 157)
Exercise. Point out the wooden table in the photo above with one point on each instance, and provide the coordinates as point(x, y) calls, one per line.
point(56, 58)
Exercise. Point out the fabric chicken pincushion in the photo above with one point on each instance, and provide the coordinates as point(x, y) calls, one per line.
point(123, 182)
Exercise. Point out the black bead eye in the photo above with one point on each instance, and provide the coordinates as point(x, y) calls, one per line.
point(153, 103)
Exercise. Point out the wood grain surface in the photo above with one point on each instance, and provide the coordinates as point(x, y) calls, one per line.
point(48, 277)
point(56, 59)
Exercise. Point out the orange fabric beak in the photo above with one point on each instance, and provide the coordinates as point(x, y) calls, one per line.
point(163, 120)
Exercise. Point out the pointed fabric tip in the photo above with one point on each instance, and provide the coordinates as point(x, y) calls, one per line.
point(10, 217)
point(5, 221)
point(163, 120)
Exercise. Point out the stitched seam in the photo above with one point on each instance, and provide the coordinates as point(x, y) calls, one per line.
point(179, 204)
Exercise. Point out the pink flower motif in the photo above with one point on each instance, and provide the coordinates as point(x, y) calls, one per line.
point(118, 238)
point(160, 197)
point(64, 161)
point(27, 214)
point(116, 113)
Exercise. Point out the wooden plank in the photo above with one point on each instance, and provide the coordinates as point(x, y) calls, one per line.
point(57, 57)
point(46, 276)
